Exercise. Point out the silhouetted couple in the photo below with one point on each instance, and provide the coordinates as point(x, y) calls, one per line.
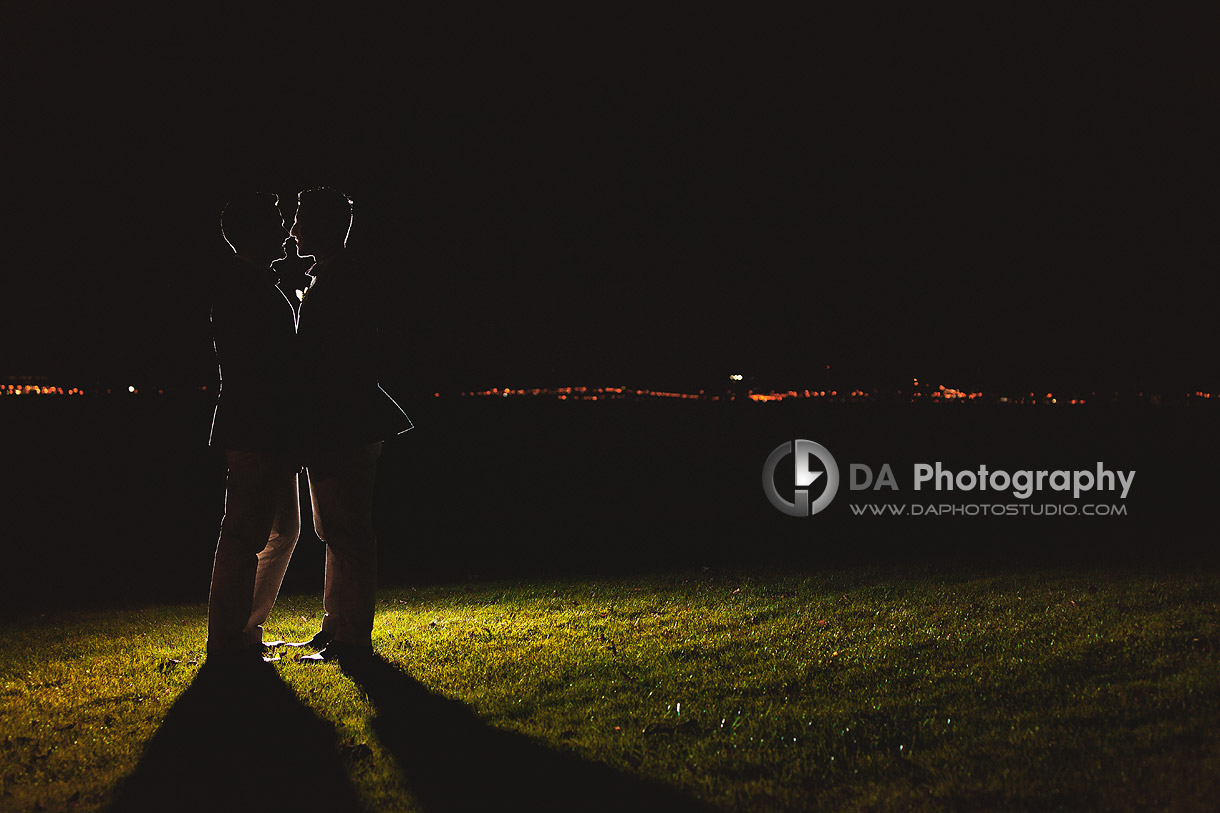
point(298, 391)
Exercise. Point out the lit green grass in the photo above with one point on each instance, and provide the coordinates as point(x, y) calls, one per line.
point(845, 690)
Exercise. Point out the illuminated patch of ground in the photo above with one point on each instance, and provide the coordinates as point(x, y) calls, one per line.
point(749, 691)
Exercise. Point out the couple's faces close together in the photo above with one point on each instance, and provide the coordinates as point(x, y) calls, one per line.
point(278, 238)
point(303, 245)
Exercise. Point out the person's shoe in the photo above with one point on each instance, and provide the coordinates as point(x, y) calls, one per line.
point(319, 641)
point(270, 645)
point(339, 652)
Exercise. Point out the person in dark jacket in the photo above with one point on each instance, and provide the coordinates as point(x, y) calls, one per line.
point(254, 331)
point(347, 417)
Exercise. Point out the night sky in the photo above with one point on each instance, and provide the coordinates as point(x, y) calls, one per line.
point(560, 201)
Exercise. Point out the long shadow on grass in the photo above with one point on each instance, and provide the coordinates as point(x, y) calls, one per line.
point(454, 761)
point(239, 739)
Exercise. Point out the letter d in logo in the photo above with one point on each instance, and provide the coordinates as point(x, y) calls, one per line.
point(801, 449)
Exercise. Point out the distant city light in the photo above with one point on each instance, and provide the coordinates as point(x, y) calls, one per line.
point(923, 393)
point(933, 394)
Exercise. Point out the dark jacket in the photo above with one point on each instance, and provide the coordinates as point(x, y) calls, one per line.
point(254, 334)
point(337, 336)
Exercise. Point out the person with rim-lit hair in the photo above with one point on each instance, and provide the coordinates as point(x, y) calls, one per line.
point(254, 334)
point(347, 416)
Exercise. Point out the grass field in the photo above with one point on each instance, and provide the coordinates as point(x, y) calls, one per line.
point(742, 691)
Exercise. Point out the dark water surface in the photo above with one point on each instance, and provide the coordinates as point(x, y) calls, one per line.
point(112, 500)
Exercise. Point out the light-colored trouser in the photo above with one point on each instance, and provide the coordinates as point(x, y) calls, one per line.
point(257, 535)
point(341, 490)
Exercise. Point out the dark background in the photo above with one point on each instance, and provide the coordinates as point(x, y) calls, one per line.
point(620, 199)
point(110, 501)
point(1021, 203)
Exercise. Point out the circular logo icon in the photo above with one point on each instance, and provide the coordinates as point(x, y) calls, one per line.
point(801, 450)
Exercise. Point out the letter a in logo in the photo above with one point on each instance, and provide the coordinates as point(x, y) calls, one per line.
point(802, 449)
